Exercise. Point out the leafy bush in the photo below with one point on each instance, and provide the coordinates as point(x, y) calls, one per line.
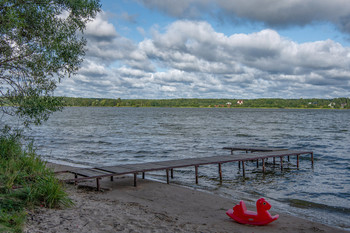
point(48, 192)
point(25, 182)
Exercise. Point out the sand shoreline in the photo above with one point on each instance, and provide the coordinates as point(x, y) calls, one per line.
point(151, 207)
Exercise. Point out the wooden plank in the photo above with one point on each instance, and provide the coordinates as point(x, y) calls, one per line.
point(177, 163)
point(154, 166)
point(141, 167)
point(90, 172)
point(117, 170)
point(252, 148)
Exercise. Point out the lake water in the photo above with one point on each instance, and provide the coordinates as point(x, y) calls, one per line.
point(91, 137)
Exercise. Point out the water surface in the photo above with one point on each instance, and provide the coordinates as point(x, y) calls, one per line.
point(110, 136)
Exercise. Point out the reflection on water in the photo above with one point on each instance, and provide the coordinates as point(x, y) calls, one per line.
point(109, 136)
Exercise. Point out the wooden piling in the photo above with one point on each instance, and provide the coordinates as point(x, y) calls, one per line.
point(98, 184)
point(135, 179)
point(167, 176)
point(298, 161)
point(263, 165)
point(243, 169)
point(196, 171)
point(281, 162)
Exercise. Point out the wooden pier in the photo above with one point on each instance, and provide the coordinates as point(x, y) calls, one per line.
point(168, 166)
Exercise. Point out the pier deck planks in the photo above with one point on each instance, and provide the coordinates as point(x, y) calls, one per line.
point(252, 149)
point(110, 171)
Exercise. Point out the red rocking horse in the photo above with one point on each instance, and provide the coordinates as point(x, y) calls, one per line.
point(244, 216)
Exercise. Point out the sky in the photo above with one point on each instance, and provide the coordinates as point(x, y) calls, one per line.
point(239, 49)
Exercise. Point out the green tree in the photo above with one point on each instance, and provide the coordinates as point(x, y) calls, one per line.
point(41, 42)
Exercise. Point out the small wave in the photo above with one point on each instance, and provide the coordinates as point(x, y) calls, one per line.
point(313, 205)
point(243, 135)
point(90, 152)
point(104, 143)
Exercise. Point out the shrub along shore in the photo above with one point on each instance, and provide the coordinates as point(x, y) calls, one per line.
point(25, 182)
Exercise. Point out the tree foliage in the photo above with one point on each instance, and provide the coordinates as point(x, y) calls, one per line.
point(40, 43)
point(338, 103)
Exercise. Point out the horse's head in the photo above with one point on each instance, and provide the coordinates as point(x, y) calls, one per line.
point(262, 204)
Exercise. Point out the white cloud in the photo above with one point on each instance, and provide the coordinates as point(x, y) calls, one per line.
point(270, 12)
point(100, 28)
point(191, 59)
point(168, 88)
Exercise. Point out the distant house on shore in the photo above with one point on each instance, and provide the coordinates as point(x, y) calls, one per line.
point(240, 102)
point(331, 105)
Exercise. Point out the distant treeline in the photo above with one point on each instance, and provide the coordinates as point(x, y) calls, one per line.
point(338, 103)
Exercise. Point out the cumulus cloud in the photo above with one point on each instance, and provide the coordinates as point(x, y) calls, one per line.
point(192, 60)
point(179, 8)
point(100, 28)
point(270, 12)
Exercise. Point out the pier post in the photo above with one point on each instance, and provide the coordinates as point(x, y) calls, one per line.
point(111, 178)
point(76, 177)
point(257, 163)
point(220, 173)
point(274, 161)
point(172, 173)
point(312, 159)
point(196, 171)
point(98, 184)
point(135, 179)
point(143, 175)
point(243, 169)
point(263, 165)
point(281, 162)
point(167, 176)
point(298, 161)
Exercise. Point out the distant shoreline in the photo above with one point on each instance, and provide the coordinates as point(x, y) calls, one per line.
point(209, 107)
point(337, 103)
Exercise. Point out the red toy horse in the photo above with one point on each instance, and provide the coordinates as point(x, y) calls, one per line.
point(262, 217)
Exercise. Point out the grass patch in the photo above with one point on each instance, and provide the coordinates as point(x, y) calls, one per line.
point(25, 182)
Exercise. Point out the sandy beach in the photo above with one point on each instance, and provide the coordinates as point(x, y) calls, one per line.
point(151, 207)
